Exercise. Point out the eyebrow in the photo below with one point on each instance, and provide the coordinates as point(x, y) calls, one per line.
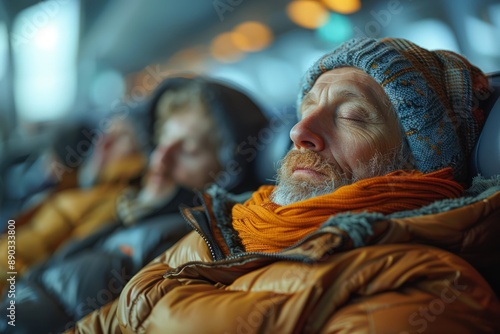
point(344, 93)
point(311, 99)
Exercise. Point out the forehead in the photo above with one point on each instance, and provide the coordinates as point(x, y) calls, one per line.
point(187, 123)
point(346, 82)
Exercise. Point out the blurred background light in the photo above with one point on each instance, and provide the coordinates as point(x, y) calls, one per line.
point(190, 55)
point(108, 86)
point(343, 6)
point(224, 50)
point(337, 30)
point(104, 48)
point(45, 39)
point(307, 14)
point(252, 36)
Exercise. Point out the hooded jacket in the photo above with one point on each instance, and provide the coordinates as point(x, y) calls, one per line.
point(409, 272)
point(86, 275)
point(239, 121)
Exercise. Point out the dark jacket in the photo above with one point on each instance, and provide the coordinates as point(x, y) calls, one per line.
point(87, 274)
point(242, 127)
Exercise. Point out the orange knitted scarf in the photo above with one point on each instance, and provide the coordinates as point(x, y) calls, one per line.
point(264, 226)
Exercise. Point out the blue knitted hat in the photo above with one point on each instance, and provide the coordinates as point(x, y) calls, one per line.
point(434, 93)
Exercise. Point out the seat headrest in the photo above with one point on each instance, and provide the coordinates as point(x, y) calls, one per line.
point(274, 148)
point(485, 158)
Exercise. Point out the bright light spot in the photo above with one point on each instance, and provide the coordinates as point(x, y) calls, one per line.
point(343, 6)
point(307, 14)
point(337, 30)
point(224, 50)
point(44, 40)
point(46, 37)
point(252, 36)
point(191, 55)
point(191, 59)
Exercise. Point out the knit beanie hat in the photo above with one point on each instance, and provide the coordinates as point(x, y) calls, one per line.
point(435, 95)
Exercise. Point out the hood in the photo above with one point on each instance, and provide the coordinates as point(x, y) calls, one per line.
point(238, 119)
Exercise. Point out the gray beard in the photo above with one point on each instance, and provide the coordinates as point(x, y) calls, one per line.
point(290, 190)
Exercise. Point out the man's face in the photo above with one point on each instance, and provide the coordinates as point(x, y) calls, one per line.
point(185, 154)
point(347, 132)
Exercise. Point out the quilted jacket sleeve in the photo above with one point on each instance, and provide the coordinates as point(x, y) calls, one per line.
point(376, 289)
point(146, 288)
point(72, 213)
point(102, 320)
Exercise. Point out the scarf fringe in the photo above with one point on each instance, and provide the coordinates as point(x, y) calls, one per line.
point(359, 225)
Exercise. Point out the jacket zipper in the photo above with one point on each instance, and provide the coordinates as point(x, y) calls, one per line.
point(276, 256)
point(236, 257)
point(202, 235)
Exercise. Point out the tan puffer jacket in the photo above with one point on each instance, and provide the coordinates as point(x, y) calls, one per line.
point(406, 279)
point(73, 213)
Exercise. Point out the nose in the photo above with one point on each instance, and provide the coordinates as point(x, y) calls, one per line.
point(307, 134)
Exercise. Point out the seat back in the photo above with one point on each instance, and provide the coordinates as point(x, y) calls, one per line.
point(275, 145)
point(485, 158)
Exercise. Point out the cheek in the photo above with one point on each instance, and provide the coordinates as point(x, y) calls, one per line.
point(360, 146)
point(358, 151)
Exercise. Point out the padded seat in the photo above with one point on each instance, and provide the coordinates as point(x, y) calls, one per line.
point(485, 159)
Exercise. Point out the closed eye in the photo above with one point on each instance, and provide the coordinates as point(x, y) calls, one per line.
point(352, 113)
point(353, 119)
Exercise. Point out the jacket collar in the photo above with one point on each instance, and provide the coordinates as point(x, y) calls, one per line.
point(341, 232)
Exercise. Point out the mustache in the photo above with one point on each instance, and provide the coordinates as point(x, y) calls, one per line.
point(296, 159)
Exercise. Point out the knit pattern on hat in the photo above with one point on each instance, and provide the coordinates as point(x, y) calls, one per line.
point(434, 93)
